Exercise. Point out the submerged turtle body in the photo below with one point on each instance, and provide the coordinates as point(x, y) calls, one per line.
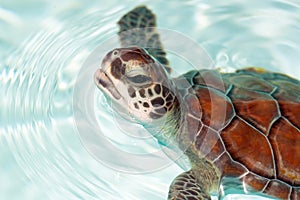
point(253, 134)
point(244, 125)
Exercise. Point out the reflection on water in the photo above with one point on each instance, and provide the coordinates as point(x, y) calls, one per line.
point(43, 48)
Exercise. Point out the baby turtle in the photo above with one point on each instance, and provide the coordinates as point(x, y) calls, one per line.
point(244, 125)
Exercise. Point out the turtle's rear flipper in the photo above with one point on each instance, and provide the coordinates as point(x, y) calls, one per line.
point(138, 28)
point(185, 186)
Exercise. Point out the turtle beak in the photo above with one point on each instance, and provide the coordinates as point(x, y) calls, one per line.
point(105, 84)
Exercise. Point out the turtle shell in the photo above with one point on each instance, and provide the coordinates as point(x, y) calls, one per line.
point(248, 125)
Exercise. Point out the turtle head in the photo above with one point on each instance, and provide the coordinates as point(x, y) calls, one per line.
point(136, 83)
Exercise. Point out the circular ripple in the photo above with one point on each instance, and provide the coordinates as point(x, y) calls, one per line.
point(38, 82)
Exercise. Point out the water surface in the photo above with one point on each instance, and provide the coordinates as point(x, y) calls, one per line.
point(44, 47)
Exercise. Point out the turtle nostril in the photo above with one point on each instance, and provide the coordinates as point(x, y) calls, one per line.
point(103, 83)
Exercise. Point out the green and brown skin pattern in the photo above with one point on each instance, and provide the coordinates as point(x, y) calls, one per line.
point(244, 125)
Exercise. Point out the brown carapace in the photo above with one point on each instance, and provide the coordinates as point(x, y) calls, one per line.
point(244, 125)
point(256, 135)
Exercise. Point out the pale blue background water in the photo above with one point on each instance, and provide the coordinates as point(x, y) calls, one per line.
point(43, 45)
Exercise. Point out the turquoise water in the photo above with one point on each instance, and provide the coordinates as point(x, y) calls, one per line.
point(45, 45)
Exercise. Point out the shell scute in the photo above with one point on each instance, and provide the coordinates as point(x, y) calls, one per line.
point(249, 147)
point(229, 167)
point(210, 78)
point(193, 106)
point(291, 111)
point(288, 96)
point(208, 142)
point(189, 129)
point(278, 189)
point(216, 107)
point(254, 181)
point(251, 83)
point(258, 109)
point(284, 139)
point(266, 75)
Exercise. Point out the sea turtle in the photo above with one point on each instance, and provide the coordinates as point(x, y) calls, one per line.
point(244, 125)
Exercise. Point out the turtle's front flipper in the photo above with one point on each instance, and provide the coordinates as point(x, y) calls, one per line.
point(185, 186)
point(138, 28)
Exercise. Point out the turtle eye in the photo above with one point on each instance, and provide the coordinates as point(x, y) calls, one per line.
point(115, 53)
point(140, 79)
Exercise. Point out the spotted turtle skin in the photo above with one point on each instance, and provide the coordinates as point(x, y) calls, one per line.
point(254, 134)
